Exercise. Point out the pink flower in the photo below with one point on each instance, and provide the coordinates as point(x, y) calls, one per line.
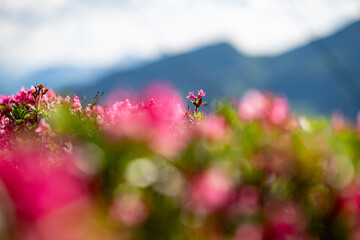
point(349, 200)
point(210, 191)
point(36, 185)
point(44, 128)
point(250, 231)
point(278, 110)
point(338, 121)
point(191, 95)
point(252, 105)
point(4, 100)
point(213, 128)
point(157, 121)
point(256, 105)
point(4, 120)
point(130, 210)
point(66, 99)
point(75, 103)
point(285, 219)
point(248, 202)
point(201, 93)
point(23, 96)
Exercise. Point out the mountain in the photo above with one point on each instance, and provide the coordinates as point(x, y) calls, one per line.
point(56, 77)
point(318, 77)
point(60, 76)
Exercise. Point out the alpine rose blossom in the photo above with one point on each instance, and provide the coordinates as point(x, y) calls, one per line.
point(43, 128)
point(279, 110)
point(191, 95)
point(248, 200)
point(210, 191)
point(213, 128)
point(36, 185)
point(256, 105)
point(201, 93)
point(158, 121)
point(75, 103)
point(252, 105)
point(285, 219)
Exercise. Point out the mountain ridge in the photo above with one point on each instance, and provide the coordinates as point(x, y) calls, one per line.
point(301, 74)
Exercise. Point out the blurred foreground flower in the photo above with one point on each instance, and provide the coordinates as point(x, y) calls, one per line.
point(209, 191)
point(256, 105)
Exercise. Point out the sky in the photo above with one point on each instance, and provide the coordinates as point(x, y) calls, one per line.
point(91, 33)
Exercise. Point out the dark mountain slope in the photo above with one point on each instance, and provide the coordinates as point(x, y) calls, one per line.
point(208, 68)
point(303, 74)
point(310, 78)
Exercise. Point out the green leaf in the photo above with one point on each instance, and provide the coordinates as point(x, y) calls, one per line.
point(31, 107)
point(27, 115)
point(16, 112)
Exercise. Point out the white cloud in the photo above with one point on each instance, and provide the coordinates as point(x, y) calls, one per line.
point(42, 7)
point(83, 32)
point(352, 10)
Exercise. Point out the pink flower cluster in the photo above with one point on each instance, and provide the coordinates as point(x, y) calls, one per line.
point(210, 191)
point(142, 168)
point(159, 121)
point(28, 104)
point(256, 105)
point(44, 128)
point(200, 93)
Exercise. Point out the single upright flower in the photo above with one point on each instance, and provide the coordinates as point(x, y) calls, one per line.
point(201, 93)
point(197, 102)
point(191, 95)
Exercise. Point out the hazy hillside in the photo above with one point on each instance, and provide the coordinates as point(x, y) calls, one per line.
point(304, 75)
point(301, 74)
